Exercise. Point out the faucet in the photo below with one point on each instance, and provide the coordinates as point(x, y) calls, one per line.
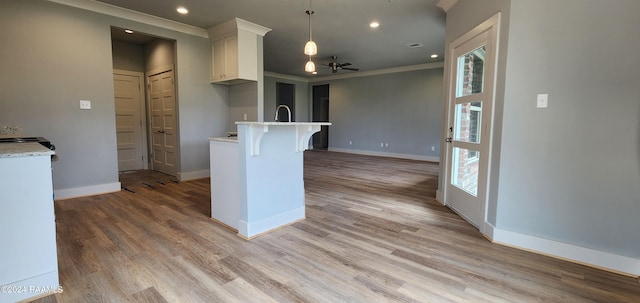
point(288, 110)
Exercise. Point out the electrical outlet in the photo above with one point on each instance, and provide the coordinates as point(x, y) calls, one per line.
point(542, 101)
point(433, 148)
point(350, 142)
point(85, 104)
point(381, 144)
point(245, 117)
point(386, 145)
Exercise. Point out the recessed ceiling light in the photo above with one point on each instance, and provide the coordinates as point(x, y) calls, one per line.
point(374, 24)
point(182, 10)
point(434, 56)
point(128, 31)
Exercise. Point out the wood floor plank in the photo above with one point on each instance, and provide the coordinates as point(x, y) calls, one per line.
point(373, 233)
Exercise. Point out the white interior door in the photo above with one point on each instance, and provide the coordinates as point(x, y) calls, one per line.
point(129, 106)
point(162, 108)
point(470, 106)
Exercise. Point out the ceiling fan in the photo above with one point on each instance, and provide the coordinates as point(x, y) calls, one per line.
point(335, 65)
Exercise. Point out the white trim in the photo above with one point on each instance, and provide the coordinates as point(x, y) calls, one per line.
point(583, 255)
point(439, 197)
point(399, 69)
point(385, 154)
point(68, 193)
point(393, 70)
point(285, 77)
point(193, 175)
point(489, 32)
point(132, 15)
point(250, 230)
point(48, 282)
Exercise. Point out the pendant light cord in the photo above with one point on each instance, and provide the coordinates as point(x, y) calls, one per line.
point(310, 12)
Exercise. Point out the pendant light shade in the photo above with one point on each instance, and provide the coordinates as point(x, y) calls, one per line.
point(310, 67)
point(310, 48)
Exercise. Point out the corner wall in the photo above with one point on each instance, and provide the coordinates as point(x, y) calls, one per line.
point(46, 71)
point(565, 179)
point(400, 110)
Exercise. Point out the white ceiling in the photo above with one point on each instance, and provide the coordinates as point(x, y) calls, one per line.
point(340, 28)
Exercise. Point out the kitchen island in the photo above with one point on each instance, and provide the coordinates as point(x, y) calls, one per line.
point(29, 266)
point(257, 181)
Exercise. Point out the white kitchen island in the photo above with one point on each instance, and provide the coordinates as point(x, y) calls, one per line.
point(28, 256)
point(257, 181)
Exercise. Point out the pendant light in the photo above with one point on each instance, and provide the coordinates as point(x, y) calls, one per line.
point(310, 67)
point(310, 48)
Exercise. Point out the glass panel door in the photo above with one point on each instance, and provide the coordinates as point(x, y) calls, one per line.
point(470, 97)
point(467, 125)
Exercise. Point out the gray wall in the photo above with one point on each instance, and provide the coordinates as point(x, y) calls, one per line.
point(45, 71)
point(574, 170)
point(127, 56)
point(242, 100)
point(159, 54)
point(302, 98)
point(402, 109)
point(570, 172)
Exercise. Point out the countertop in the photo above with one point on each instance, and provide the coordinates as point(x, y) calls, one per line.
point(281, 123)
point(225, 139)
point(29, 149)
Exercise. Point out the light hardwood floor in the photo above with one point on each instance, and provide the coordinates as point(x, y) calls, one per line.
point(373, 233)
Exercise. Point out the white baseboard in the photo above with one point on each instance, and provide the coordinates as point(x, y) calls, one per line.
point(32, 288)
point(385, 154)
point(250, 230)
point(192, 175)
point(586, 256)
point(439, 197)
point(68, 193)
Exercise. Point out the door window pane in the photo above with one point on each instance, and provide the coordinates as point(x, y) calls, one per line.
point(465, 170)
point(471, 72)
point(468, 118)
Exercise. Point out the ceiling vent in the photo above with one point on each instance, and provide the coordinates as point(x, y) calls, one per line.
point(415, 45)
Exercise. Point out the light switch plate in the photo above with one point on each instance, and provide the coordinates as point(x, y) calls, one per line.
point(542, 101)
point(85, 104)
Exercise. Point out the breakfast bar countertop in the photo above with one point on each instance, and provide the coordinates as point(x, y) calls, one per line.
point(225, 139)
point(29, 149)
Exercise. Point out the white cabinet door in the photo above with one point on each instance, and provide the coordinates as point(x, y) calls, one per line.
point(225, 59)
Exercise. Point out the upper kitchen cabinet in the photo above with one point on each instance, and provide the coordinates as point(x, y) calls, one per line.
point(235, 50)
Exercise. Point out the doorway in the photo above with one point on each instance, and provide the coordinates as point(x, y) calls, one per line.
point(470, 99)
point(286, 95)
point(147, 128)
point(320, 98)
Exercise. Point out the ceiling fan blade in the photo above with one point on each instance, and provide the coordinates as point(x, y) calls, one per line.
point(344, 64)
point(351, 68)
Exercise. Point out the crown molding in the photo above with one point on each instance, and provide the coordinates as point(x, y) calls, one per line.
point(132, 15)
point(392, 70)
point(286, 77)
